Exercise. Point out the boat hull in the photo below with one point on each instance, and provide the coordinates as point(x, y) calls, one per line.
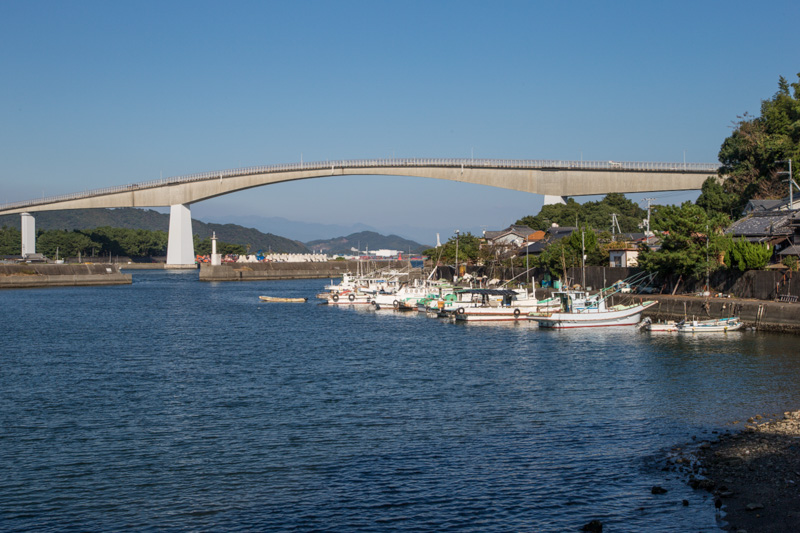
point(629, 316)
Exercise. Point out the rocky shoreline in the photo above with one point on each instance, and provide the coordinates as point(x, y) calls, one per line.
point(753, 475)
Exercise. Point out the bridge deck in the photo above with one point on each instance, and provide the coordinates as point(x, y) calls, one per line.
point(342, 166)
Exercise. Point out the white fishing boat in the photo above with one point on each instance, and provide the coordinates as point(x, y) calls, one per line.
point(350, 297)
point(714, 325)
point(362, 289)
point(719, 325)
point(495, 305)
point(591, 313)
point(408, 295)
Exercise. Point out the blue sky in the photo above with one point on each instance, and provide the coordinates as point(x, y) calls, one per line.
point(95, 94)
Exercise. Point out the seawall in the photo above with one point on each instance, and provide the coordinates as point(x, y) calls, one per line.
point(33, 275)
point(271, 271)
point(759, 314)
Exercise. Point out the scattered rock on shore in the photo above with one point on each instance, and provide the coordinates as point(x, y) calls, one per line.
point(754, 474)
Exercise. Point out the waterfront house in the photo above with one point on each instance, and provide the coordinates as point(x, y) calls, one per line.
point(510, 238)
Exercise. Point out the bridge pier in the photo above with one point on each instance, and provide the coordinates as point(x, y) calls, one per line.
point(180, 245)
point(549, 200)
point(28, 235)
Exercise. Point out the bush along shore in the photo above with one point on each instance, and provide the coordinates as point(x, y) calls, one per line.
point(753, 475)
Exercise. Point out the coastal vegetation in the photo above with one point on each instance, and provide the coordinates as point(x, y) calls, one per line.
point(592, 214)
point(690, 238)
point(103, 241)
point(148, 219)
point(753, 155)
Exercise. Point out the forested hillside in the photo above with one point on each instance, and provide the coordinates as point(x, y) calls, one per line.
point(365, 240)
point(148, 219)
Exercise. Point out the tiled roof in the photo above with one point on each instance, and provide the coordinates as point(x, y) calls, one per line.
point(762, 225)
point(791, 250)
point(521, 231)
point(764, 205)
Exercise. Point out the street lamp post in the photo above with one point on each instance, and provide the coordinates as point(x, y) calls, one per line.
point(456, 275)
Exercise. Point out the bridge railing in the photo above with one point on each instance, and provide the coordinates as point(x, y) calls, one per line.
point(522, 164)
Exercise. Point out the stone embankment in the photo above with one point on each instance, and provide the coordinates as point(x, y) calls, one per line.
point(277, 270)
point(753, 475)
point(33, 275)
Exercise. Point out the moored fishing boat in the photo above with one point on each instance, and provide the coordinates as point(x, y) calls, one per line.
point(713, 325)
point(591, 313)
point(718, 325)
point(280, 299)
point(495, 305)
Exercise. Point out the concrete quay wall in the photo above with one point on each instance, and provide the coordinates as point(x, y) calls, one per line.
point(26, 276)
point(269, 271)
point(759, 314)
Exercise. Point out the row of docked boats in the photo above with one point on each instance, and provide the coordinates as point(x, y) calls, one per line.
point(564, 309)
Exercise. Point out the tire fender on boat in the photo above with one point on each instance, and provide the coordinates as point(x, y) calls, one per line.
point(351, 297)
point(516, 312)
point(460, 311)
point(396, 304)
point(335, 297)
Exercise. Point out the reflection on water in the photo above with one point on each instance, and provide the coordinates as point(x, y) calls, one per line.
point(171, 403)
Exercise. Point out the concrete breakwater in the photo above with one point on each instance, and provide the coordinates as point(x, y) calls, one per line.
point(33, 275)
point(269, 271)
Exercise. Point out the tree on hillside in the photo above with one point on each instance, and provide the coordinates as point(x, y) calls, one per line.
point(749, 154)
point(595, 215)
point(716, 201)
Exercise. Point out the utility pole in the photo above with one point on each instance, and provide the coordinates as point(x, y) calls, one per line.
point(456, 275)
point(792, 183)
point(614, 226)
point(647, 230)
point(708, 284)
point(583, 261)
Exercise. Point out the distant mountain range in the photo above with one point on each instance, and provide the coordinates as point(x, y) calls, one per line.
point(133, 218)
point(365, 240)
point(300, 231)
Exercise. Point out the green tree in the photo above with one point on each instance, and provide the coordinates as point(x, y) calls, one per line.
point(689, 241)
point(203, 247)
point(745, 255)
point(64, 243)
point(468, 249)
point(10, 241)
point(129, 242)
point(595, 215)
point(716, 201)
point(749, 154)
point(558, 257)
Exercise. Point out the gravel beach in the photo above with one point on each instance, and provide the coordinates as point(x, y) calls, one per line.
point(753, 475)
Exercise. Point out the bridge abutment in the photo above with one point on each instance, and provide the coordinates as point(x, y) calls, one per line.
point(180, 245)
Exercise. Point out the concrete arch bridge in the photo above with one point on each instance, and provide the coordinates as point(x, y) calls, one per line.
point(551, 178)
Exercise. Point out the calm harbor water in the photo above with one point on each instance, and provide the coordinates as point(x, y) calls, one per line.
point(172, 404)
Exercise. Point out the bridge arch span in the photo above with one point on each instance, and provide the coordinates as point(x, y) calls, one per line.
point(546, 177)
